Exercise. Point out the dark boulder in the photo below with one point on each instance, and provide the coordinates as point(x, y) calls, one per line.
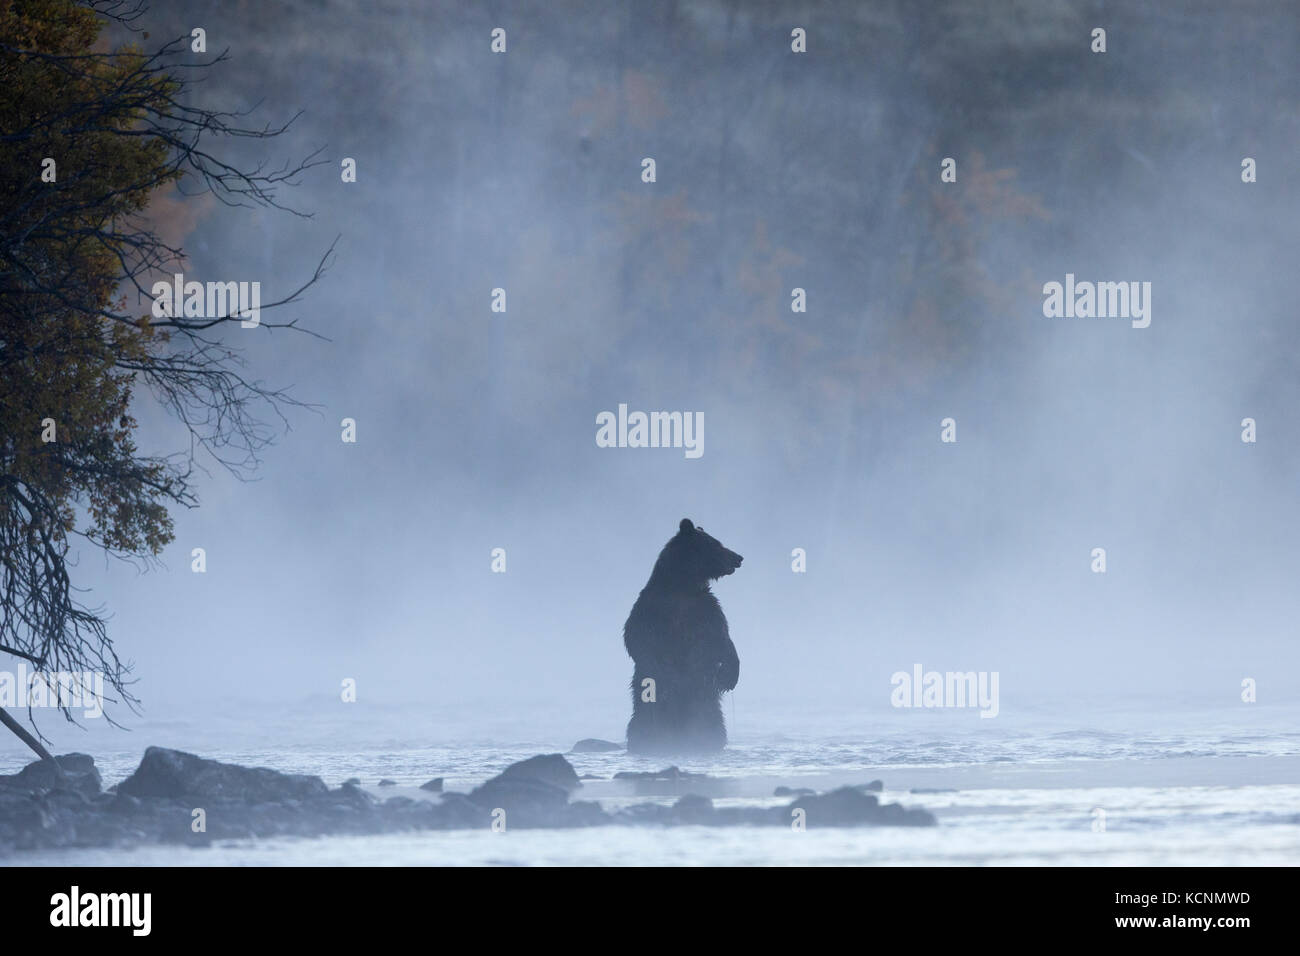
point(548, 768)
point(535, 793)
point(523, 793)
point(178, 775)
point(526, 802)
point(433, 786)
point(79, 774)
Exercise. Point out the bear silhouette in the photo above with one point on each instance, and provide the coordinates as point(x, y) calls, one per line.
point(677, 637)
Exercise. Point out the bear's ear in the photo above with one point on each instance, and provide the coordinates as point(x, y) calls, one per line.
point(686, 525)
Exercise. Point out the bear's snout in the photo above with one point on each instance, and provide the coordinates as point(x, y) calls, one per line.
point(735, 560)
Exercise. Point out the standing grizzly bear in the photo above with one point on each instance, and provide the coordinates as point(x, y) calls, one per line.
point(677, 637)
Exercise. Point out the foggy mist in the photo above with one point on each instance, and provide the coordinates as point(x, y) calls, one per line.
point(476, 429)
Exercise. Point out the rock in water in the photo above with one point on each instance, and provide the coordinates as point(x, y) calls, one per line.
point(594, 745)
point(792, 791)
point(673, 781)
point(174, 773)
point(526, 802)
point(533, 793)
point(434, 785)
point(78, 769)
point(849, 806)
point(153, 805)
point(693, 808)
point(522, 793)
point(667, 775)
point(548, 768)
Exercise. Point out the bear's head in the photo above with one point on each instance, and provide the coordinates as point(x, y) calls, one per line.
point(693, 558)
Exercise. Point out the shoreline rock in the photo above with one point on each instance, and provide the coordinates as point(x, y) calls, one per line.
point(159, 803)
point(79, 769)
point(179, 775)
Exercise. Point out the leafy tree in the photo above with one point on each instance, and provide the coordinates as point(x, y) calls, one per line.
point(89, 137)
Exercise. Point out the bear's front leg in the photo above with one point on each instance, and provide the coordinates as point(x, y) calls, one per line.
point(729, 668)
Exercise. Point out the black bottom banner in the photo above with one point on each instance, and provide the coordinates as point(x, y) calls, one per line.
point(331, 905)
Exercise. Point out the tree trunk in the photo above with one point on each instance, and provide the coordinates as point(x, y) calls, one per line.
point(29, 740)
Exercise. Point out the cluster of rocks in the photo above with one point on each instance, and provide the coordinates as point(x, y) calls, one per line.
point(171, 793)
